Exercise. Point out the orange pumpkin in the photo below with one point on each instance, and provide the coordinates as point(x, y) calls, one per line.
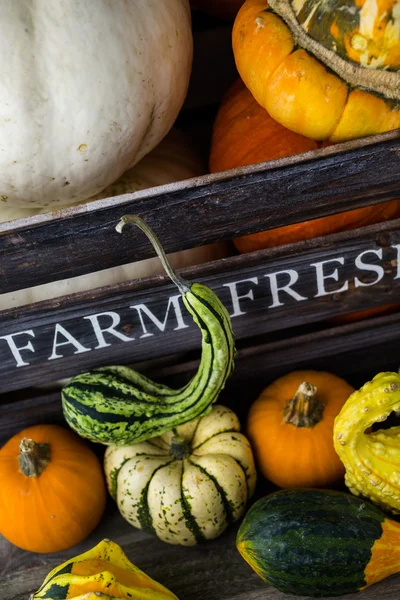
point(244, 134)
point(327, 70)
point(224, 9)
point(290, 428)
point(52, 492)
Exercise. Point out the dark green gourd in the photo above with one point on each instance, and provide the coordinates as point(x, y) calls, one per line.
point(117, 405)
point(319, 543)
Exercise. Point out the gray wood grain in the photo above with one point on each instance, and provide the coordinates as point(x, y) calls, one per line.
point(199, 211)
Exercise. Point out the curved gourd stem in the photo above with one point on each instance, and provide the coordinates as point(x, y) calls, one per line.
point(182, 285)
point(371, 459)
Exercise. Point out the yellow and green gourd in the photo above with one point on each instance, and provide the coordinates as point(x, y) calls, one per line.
point(117, 405)
point(102, 573)
point(371, 458)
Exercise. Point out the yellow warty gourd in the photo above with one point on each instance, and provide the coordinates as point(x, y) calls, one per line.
point(371, 458)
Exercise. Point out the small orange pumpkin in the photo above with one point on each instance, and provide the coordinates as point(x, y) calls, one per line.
point(224, 9)
point(290, 428)
point(327, 70)
point(245, 134)
point(52, 492)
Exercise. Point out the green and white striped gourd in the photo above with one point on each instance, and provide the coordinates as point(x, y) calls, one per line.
point(117, 405)
point(187, 485)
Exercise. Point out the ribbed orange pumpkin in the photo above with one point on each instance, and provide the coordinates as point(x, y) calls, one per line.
point(290, 428)
point(52, 491)
point(225, 9)
point(244, 134)
point(327, 70)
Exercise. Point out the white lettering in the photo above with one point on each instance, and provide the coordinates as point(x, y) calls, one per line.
point(172, 302)
point(16, 351)
point(99, 331)
point(60, 330)
point(397, 246)
point(275, 288)
point(367, 267)
point(321, 277)
point(237, 311)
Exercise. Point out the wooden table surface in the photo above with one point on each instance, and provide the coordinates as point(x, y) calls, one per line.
point(213, 571)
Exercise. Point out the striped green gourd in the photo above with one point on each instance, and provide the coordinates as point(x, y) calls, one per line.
point(117, 405)
point(319, 542)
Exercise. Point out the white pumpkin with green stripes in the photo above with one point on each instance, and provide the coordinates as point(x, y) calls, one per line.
point(187, 485)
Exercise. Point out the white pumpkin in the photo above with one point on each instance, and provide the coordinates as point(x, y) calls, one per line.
point(86, 90)
point(172, 160)
point(188, 485)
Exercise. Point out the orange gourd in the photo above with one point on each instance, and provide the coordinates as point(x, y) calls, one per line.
point(327, 70)
point(245, 134)
point(224, 9)
point(290, 428)
point(52, 492)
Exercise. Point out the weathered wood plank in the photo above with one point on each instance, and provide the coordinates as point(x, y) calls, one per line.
point(265, 292)
point(198, 211)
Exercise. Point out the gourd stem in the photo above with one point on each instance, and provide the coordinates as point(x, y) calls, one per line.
point(179, 448)
point(304, 409)
point(33, 457)
point(182, 285)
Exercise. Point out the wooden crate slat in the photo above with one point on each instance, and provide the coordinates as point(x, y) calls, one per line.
point(199, 211)
point(146, 319)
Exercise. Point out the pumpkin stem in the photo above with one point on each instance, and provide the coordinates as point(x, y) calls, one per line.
point(182, 285)
point(179, 448)
point(304, 409)
point(33, 458)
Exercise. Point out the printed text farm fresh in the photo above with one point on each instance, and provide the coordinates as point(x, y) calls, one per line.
point(262, 289)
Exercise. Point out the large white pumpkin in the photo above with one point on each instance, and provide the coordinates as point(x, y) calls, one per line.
point(172, 160)
point(186, 485)
point(87, 88)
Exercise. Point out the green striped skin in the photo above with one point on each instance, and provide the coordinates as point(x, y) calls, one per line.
point(311, 542)
point(116, 405)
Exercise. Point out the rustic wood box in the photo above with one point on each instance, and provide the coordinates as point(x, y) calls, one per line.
point(282, 301)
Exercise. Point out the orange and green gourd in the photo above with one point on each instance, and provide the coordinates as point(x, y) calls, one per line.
point(371, 457)
point(319, 543)
point(102, 573)
point(326, 70)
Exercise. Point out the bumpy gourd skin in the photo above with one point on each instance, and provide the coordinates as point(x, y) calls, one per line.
point(326, 70)
point(102, 573)
point(372, 460)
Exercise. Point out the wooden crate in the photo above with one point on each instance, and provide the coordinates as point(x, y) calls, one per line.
point(282, 302)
